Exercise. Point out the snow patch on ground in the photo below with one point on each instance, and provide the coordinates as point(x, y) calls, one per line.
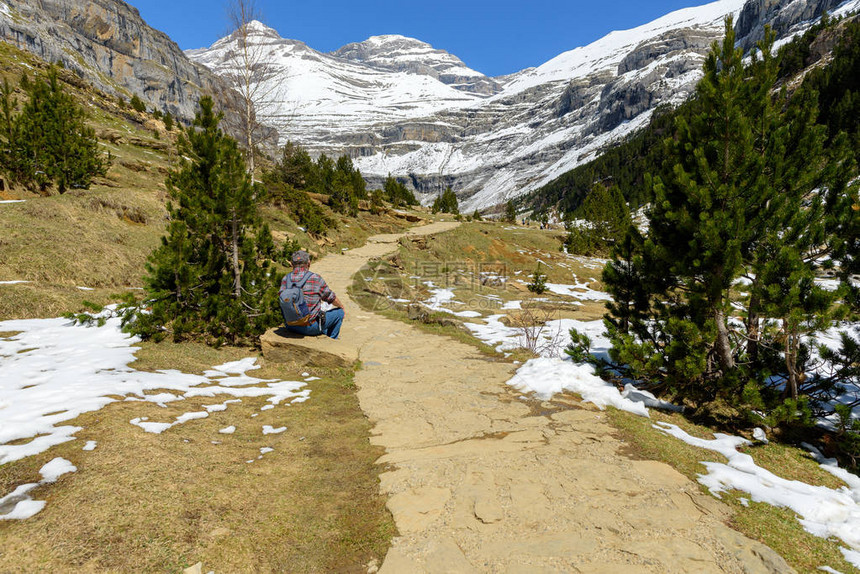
point(91, 445)
point(579, 291)
point(648, 399)
point(441, 297)
point(24, 506)
point(553, 337)
point(822, 511)
point(12, 282)
point(55, 469)
point(54, 371)
point(547, 377)
point(18, 505)
point(268, 429)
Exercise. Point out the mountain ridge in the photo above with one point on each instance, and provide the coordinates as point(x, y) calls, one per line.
point(539, 123)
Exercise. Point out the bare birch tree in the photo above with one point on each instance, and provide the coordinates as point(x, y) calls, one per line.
point(251, 74)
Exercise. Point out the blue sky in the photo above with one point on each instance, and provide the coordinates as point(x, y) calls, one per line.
point(494, 37)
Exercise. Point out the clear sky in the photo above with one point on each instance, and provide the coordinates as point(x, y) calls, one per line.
point(494, 37)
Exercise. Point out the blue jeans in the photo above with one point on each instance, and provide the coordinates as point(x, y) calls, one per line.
point(333, 321)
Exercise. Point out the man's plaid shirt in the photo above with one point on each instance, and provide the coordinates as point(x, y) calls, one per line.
point(315, 290)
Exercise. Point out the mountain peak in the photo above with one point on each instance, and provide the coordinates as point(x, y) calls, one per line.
point(397, 53)
point(387, 39)
point(258, 28)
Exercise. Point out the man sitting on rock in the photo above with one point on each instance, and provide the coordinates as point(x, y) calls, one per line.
point(302, 296)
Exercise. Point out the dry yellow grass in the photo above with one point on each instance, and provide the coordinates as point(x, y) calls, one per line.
point(158, 503)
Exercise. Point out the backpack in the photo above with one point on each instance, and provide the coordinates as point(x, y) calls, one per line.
point(293, 305)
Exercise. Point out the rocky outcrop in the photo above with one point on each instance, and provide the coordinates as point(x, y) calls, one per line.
point(677, 42)
point(781, 15)
point(107, 43)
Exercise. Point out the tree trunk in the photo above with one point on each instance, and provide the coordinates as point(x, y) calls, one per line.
point(249, 131)
point(722, 345)
point(753, 329)
point(791, 345)
point(237, 274)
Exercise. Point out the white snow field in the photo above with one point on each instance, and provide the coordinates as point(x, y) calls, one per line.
point(54, 371)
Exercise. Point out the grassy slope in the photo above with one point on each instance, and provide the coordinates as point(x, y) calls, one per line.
point(100, 238)
point(516, 250)
point(143, 502)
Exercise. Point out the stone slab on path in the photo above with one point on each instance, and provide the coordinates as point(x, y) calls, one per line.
point(283, 346)
point(478, 480)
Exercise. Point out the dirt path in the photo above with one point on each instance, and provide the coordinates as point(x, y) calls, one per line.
point(480, 482)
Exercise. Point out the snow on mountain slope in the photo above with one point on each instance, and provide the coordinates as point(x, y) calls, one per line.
point(399, 106)
point(401, 54)
point(608, 52)
point(324, 99)
point(549, 119)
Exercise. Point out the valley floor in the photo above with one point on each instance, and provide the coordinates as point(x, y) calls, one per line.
point(270, 470)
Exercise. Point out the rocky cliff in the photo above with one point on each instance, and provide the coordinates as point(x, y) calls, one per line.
point(108, 44)
point(783, 16)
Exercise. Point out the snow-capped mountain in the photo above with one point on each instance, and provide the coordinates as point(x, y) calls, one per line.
point(332, 104)
point(402, 54)
point(399, 106)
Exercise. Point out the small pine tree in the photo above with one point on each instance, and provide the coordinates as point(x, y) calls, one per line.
point(211, 277)
point(510, 212)
point(446, 203)
point(287, 184)
point(377, 198)
point(604, 218)
point(538, 284)
point(50, 141)
point(398, 194)
point(168, 121)
point(137, 104)
point(476, 216)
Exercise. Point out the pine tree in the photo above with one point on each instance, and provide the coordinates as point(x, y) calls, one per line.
point(13, 155)
point(137, 104)
point(211, 276)
point(510, 212)
point(398, 194)
point(347, 187)
point(538, 284)
point(605, 218)
point(446, 203)
point(48, 142)
point(746, 190)
point(296, 166)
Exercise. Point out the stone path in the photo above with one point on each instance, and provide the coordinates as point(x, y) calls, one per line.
point(481, 481)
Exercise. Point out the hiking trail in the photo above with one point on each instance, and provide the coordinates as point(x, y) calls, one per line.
point(479, 480)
